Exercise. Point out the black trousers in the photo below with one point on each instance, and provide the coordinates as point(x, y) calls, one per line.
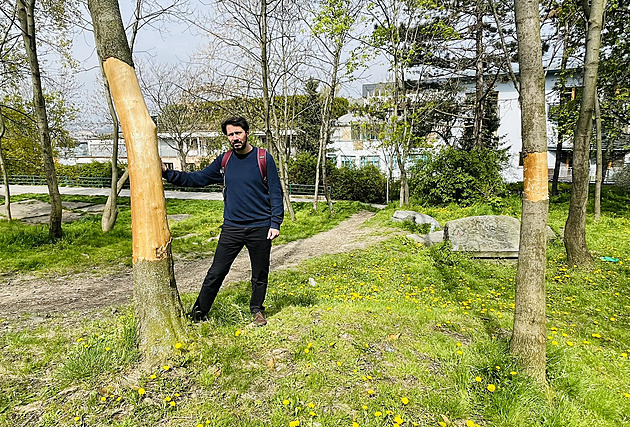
point(231, 242)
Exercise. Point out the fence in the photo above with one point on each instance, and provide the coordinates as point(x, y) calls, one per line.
point(102, 182)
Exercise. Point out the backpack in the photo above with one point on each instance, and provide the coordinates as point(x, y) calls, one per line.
point(261, 155)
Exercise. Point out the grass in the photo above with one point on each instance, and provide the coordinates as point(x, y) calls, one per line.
point(85, 246)
point(396, 334)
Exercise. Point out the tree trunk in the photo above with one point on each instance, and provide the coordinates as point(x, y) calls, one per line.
point(599, 162)
point(280, 158)
point(528, 338)
point(5, 175)
point(563, 85)
point(156, 299)
point(479, 84)
point(575, 228)
point(26, 10)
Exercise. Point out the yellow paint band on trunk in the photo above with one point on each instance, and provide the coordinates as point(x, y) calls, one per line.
point(535, 177)
point(150, 233)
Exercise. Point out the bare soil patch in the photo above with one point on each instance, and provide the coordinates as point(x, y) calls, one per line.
point(90, 290)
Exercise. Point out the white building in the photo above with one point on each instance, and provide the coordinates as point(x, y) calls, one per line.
point(354, 143)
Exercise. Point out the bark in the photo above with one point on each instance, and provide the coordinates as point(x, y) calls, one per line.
point(563, 85)
point(598, 174)
point(26, 10)
point(5, 175)
point(278, 154)
point(158, 308)
point(528, 340)
point(575, 228)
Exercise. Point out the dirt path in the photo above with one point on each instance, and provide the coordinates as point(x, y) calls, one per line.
point(88, 291)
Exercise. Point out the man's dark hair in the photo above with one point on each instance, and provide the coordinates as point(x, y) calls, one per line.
point(235, 121)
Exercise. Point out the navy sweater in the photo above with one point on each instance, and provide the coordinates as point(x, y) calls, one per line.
point(248, 202)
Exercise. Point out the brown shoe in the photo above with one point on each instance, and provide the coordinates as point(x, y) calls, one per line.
point(259, 319)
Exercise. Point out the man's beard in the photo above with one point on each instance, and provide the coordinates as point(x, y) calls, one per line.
point(242, 143)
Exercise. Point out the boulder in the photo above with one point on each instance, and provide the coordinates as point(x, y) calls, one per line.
point(487, 236)
point(416, 217)
point(428, 239)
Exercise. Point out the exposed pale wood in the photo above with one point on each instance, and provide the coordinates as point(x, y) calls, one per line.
point(147, 193)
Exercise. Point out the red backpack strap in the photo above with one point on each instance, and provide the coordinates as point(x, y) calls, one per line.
point(225, 159)
point(262, 163)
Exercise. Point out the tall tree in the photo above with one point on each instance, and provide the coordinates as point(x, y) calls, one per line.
point(156, 299)
point(528, 341)
point(332, 26)
point(575, 228)
point(26, 14)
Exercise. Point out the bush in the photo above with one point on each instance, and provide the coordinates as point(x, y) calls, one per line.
point(366, 184)
point(94, 169)
point(458, 176)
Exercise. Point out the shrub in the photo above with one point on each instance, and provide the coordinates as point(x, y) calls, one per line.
point(458, 176)
point(93, 169)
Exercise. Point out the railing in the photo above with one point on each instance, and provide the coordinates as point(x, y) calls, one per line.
point(102, 182)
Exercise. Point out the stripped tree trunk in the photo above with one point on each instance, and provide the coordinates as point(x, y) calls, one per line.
point(26, 10)
point(528, 341)
point(575, 228)
point(158, 307)
point(110, 211)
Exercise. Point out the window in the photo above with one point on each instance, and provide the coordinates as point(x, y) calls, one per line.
point(347, 161)
point(168, 165)
point(370, 160)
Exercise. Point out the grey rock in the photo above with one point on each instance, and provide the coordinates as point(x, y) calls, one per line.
point(487, 236)
point(415, 217)
point(428, 239)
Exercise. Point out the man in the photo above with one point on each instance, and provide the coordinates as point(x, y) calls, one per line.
point(252, 215)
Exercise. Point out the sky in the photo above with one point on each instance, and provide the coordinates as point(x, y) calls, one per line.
point(175, 41)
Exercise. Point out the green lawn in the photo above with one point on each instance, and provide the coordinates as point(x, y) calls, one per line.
point(396, 334)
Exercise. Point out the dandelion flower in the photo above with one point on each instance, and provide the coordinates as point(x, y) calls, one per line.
point(378, 414)
point(172, 403)
point(306, 350)
point(285, 402)
point(404, 400)
point(355, 424)
point(166, 367)
point(103, 399)
point(141, 391)
point(364, 407)
point(596, 335)
point(570, 343)
point(295, 423)
point(371, 392)
point(459, 352)
point(491, 388)
point(470, 423)
point(167, 398)
point(199, 425)
point(312, 414)
point(512, 372)
point(178, 345)
point(398, 419)
point(152, 376)
point(478, 379)
point(238, 332)
point(442, 424)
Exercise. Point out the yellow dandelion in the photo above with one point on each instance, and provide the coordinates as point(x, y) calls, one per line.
point(624, 355)
point(491, 388)
point(312, 414)
point(306, 350)
point(470, 423)
point(311, 405)
point(166, 367)
point(178, 345)
point(478, 379)
point(459, 352)
point(167, 398)
point(295, 423)
point(398, 419)
point(554, 342)
point(199, 425)
point(378, 414)
point(404, 400)
point(570, 343)
point(442, 424)
point(626, 395)
point(103, 399)
point(172, 403)
point(364, 407)
point(107, 349)
point(77, 418)
point(238, 332)
point(285, 402)
point(141, 391)
point(176, 395)
point(152, 376)
point(355, 424)
point(371, 392)
point(596, 335)
point(512, 372)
